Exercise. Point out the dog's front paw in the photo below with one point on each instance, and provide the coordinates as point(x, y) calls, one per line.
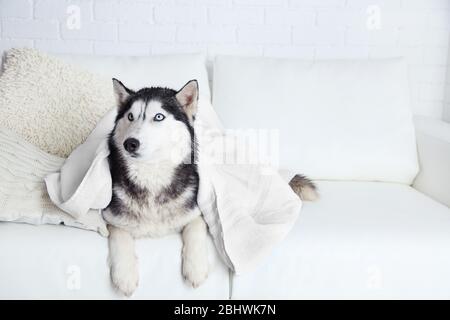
point(195, 268)
point(125, 277)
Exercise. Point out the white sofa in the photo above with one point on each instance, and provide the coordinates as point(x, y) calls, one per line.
point(364, 237)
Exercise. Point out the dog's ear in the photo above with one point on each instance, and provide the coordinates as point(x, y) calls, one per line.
point(121, 92)
point(188, 98)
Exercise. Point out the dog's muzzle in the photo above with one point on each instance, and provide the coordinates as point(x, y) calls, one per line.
point(131, 145)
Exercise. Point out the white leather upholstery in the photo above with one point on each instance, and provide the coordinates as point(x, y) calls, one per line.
point(44, 262)
point(433, 142)
point(171, 71)
point(337, 120)
point(360, 240)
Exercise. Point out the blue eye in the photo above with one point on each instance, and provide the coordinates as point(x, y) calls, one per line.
point(130, 116)
point(159, 117)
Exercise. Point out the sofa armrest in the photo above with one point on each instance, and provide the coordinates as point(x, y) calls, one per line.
point(433, 143)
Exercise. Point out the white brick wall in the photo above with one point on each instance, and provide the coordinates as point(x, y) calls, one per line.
point(307, 29)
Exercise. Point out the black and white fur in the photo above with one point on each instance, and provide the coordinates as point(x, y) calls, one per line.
point(155, 180)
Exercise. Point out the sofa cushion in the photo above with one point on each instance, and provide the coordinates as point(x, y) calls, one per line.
point(337, 120)
point(360, 240)
point(55, 262)
point(172, 71)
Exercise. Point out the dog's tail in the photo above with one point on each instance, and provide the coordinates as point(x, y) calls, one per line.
point(304, 188)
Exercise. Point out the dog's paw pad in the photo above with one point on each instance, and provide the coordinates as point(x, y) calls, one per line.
point(195, 278)
point(126, 281)
point(195, 272)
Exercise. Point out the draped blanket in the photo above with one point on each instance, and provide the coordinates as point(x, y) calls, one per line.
point(248, 208)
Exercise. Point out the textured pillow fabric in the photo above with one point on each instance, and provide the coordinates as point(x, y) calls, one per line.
point(50, 103)
point(337, 120)
point(23, 195)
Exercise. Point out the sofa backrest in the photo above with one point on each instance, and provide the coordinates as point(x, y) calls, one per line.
point(337, 120)
point(172, 71)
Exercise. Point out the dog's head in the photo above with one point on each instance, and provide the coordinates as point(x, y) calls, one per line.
point(155, 124)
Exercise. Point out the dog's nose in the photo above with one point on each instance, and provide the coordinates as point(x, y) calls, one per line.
point(131, 145)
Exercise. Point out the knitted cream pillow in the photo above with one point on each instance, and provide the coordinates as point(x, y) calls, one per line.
point(50, 103)
point(23, 194)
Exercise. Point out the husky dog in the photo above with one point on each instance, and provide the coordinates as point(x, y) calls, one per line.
point(155, 180)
